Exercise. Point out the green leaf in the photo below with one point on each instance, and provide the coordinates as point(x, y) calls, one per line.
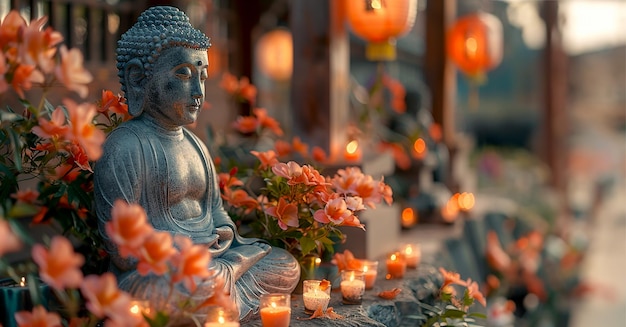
point(22, 210)
point(453, 313)
point(307, 245)
point(478, 315)
point(16, 145)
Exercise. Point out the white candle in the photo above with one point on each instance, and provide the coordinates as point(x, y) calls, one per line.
point(412, 255)
point(352, 286)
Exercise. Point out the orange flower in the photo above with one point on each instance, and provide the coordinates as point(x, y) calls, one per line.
point(128, 227)
point(55, 127)
point(10, 28)
point(319, 154)
point(285, 212)
point(450, 277)
point(220, 297)
point(347, 261)
point(39, 217)
point(229, 83)
point(474, 292)
point(247, 91)
point(83, 130)
point(282, 148)
point(4, 68)
point(267, 158)
point(10, 242)
point(240, 199)
point(38, 47)
point(155, 253)
point(267, 121)
point(113, 103)
point(59, 267)
point(26, 196)
point(496, 257)
point(72, 73)
point(103, 296)
point(39, 317)
point(24, 77)
point(299, 146)
point(246, 124)
point(192, 261)
point(228, 180)
point(335, 210)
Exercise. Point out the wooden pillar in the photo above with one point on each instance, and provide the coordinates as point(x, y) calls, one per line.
point(555, 97)
point(440, 75)
point(321, 66)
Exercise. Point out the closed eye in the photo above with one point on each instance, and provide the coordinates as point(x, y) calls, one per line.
point(183, 73)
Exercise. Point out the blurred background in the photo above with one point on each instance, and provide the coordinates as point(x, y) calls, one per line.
point(479, 106)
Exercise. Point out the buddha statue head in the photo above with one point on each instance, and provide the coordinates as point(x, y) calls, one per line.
point(156, 30)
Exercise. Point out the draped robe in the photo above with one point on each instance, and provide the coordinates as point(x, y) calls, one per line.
point(134, 167)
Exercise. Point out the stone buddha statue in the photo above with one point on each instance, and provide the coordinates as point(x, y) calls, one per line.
point(153, 160)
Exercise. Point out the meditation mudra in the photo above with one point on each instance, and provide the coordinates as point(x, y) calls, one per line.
point(153, 160)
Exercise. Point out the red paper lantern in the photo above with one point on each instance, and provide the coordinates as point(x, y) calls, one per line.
point(380, 22)
point(275, 54)
point(475, 43)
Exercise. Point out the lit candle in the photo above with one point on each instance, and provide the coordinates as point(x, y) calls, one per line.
point(412, 255)
point(396, 266)
point(352, 286)
point(217, 316)
point(15, 296)
point(275, 310)
point(315, 295)
point(353, 152)
point(370, 270)
point(139, 308)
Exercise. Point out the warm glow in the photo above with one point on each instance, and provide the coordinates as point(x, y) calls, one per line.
point(221, 320)
point(365, 268)
point(23, 281)
point(135, 309)
point(379, 21)
point(318, 261)
point(408, 250)
point(408, 217)
point(450, 211)
point(377, 4)
point(419, 146)
point(352, 276)
point(274, 54)
point(393, 257)
point(273, 304)
point(352, 147)
point(471, 46)
point(466, 201)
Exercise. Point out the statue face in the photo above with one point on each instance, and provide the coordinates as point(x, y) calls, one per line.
point(175, 93)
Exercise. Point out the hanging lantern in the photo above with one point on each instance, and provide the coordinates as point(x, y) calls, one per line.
point(274, 54)
point(380, 22)
point(475, 44)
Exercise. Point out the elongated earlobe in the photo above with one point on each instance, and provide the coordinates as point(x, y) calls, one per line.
point(135, 82)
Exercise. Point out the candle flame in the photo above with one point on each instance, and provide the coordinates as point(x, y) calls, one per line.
point(471, 46)
point(394, 257)
point(273, 304)
point(318, 261)
point(23, 281)
point(221, 320)
point(365, 268)
point(352, 147)
point(134, 309)
point(408, 217)
point(408, 250)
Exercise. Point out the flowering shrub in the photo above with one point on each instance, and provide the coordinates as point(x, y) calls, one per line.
point(45, 175)
point(288, 203)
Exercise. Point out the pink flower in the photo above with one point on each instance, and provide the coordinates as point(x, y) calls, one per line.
point(83, 130)
point(286, 213)
point(287, 170)
point(335, 211)
point(450, 277)
point(59, 267)
point(10, 28)
point(9, 242)
point(155, 252)
point(26, 196)
point(37, 46)
point(39, 317)
point(192, 262)
point(24, 77)
point(128, 227)
point(246, 125)
point(72, 73)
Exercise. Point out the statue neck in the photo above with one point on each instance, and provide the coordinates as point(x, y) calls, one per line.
point(175, 132)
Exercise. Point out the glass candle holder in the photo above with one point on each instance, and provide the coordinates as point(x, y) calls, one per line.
point(315, 295)
point(352, 286)
point(412, 254)
point(218, 316)
point(275, 310)
point(16, 296)
point(370, 271)
point(396, 266)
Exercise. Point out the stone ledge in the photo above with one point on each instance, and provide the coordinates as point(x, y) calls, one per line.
point(418, 285)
